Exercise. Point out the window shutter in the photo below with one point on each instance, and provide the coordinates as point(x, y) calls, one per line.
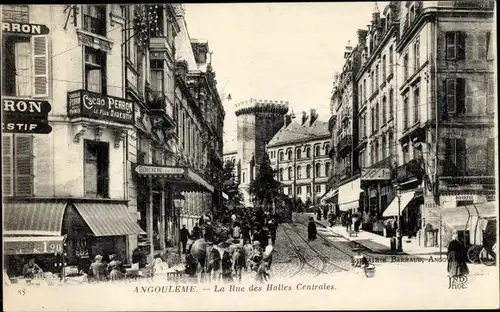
point(490, 150)
point(24, 165)
point(461, 46)
point(443, 107)
point(40, 47)
point(460, 96)
point(482, 46)
point(451, 92)
point(7, 166)
point(490, 51)
point(461, 156)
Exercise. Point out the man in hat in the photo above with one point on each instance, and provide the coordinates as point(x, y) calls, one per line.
point(184, 238)
point(239, 261)
point(213, 260)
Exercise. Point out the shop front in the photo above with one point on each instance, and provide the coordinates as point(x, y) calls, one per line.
point(349, 195)
point(376, 184)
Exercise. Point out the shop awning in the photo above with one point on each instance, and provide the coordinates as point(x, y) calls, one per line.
point(108, 219)
point(25, 219)
point(29, 245)
point(184, 177)
point(392, 209)
point(329, 194)
point(457, 217)
point(349, 195)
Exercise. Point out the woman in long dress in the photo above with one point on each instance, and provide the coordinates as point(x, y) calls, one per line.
point(457, 257)
point(311, 230)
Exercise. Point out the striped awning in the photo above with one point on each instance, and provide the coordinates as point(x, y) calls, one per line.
point(108, 219)
point(397, 206)
point(33, 218)
point(465, 216)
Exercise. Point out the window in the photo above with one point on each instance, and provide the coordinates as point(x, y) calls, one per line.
point(455, 45)
point(95, 70)
point(405, 111)
point(308, 152)
point(384, 147)
point(327, 148)
point(299, 153)
point(308, 189)
point(416, 53)
point(290, 176)
point(391, 60)
point(455, 96)
point(94, 19)
point(243, 177)
point(391, 144)
point(364, 125)
point(299, 190)
point(377, 116)
point(364, 90)
point(384, 110)
point(391, 103)
point(317, 172)
point(290, 154)
point(318, 188)
point(360, 125)
point(282, 156)
point(372, 78)
point(360, 94)
point(317, 150)
point(299, 172)
point(308, 171)
point(25, 66)
point(377, 146)
point(373, 119)
point(416, 103)
point(281, 174)
point(15, 13)
point(377, 76)
point(157, 77)
point(96, 169)
point(456, 154)
point(406, 155)
point(384, 65)
point(406, 67)
point(17, 165)
point(289, 190)
point(327, 169)
point(490, 157)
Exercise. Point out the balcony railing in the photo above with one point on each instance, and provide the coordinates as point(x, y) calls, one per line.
point(409, 171)
point(346, 141)
point(94, 25)
point(159, 102)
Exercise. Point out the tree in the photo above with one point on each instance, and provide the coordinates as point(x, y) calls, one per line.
point(264, 188)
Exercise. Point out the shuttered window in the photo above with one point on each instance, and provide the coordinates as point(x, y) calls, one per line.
point(456, 153)
point(40, 66)
point(490, 149)
point(455, 96)
point(17, 165)
point(96, 169)
point(455, 45)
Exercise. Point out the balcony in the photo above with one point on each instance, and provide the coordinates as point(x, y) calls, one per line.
point(411, 171)
point(158, 103)
point(344, 143)
point(385, 163)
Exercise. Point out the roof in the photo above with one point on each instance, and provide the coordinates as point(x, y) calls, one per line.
point(296, 132)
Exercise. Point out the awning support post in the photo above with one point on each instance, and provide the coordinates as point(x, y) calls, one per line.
point(149, 218)
point(162, 217)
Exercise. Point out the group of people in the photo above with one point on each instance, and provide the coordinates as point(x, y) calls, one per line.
point(249, 248)
point(350, 220)
point(101, 271)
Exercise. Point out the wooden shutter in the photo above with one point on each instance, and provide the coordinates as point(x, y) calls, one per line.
point(451, 92)
point(40, 49)
point(490, 158)
point(460, 96)
point(461, 155)
point(7, 165)
point(24, 165)
point(490, 50)
point(461, 46)
point(482, 46)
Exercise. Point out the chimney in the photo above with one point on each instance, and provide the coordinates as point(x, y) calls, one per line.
point(304, 117)
point(313, 117)
point(288, 120)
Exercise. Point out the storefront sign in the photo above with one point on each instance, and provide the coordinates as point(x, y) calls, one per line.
point(25, 116)
point(141, 169)
point(25, 28)
point(370, 174)
point(26, 247)
point(83, 103)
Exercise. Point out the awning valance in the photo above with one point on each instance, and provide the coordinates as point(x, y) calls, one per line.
point(349, 195)
point(33, 218)
point(29, 245)
point(185, 177)
point(392, 209)
point(457, 217)
point(108, 219)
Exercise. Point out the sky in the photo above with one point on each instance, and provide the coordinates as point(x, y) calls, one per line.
point(277, 51)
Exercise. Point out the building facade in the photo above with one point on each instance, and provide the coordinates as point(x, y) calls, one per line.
point(299, 155)
point(257, 121)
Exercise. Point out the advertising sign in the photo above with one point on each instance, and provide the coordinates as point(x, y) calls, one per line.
point(13, 246)
point(25, 116)
point(83, 103)
point(141, 169)
point(24, 28)
point(375, 174)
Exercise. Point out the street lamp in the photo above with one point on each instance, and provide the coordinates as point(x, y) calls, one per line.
point(179, 200)
point(399, 238)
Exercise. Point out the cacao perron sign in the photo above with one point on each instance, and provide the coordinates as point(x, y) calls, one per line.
point(25, 116)
point(83, 103)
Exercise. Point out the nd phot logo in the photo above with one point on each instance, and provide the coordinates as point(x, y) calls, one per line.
point(457, 282)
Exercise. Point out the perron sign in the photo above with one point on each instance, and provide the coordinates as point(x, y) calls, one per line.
point(24, 28)
point(83, 103)
point(25, 116)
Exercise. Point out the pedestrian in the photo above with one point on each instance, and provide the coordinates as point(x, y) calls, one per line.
point(209, 232)
point(184, 238)
point(213, 261)
point(311, 230)
point(227, 266)
point(97, 270)
point(457, 257)
point(245, 231)
point(196, 232)
point(236, 232)
point(264, 237)
point(273, 228)
point(318, 214)
point(191, 263)
point(30, 269)
point(325, 213)
point(239, 261)
point(114, 268)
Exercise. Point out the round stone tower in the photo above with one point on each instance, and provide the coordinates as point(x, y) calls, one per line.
point(257, 122)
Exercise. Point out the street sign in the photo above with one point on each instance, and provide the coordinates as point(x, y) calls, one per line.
point(25, 116)
point(35, 126)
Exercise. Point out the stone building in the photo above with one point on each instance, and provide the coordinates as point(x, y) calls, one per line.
point(257, 121)
point(299, 156)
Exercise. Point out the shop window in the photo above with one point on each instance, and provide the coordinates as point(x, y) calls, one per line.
point(95, 70)
point(94, 19)
point(25, 66)
point(17, 165)
point(96, 169)
point(455, 45)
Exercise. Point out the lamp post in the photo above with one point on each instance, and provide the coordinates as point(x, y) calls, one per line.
point(399, 238)
point(179, 200)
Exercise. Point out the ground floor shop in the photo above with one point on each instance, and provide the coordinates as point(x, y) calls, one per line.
point(62, 233)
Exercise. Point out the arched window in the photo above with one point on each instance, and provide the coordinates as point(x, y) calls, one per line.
point(290, 154)
point(243, 177)
point(281, 174)
point(282, 156)
point(308, 152)
point(327, 169)
point(299, 153)
point(327, 148)
point(317, 172)
point(317, 150)
point(299, 172)
point(308, 171)
point(289, 173)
